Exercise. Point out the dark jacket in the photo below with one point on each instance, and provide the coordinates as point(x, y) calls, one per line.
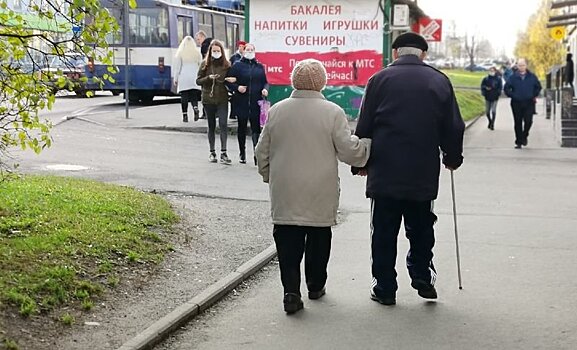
point(235, 58)
point(214, 92)
point(491, 87)
point(569, 71)
point(523, 88)
point(249, 73)
point(204, 47)
point(409, 110)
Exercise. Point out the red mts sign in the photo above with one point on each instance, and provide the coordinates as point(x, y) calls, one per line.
point(430, 29)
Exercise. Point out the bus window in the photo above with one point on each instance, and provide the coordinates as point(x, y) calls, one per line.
point(149, 27)
point(220, 28)
point(184, 27)
point(232, 35)
point(205, 23)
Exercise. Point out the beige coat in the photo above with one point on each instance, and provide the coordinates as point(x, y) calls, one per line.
point(297, 156)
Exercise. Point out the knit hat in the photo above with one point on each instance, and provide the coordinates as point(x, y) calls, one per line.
point(309, 74)
point(410, 39)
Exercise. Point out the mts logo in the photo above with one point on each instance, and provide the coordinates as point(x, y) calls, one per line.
point(274, 69)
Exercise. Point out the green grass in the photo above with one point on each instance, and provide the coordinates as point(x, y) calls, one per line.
point(463, 78)
point(471, 103)
point(64, 240)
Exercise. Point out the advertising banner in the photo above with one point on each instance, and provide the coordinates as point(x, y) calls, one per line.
point(346, 35)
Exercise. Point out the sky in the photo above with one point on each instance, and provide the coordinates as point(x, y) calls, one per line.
point(498, 21)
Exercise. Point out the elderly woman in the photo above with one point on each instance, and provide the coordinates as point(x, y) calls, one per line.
point(303, 178)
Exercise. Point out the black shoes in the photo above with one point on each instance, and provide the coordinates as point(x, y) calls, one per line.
point(526, 142)
point(185, 117)
point(383, 300)
point(292, 303)
point(517, 146)
point(424, 289)
point(318, 294)
point(242, 158)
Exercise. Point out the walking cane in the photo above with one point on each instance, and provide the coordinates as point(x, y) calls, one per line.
point(456, 233)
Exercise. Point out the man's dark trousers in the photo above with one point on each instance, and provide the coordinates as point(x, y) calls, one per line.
point(291, 242)
point(386, 218)
point(523, 117)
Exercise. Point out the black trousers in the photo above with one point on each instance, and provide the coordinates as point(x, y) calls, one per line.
point(291, 242)
point(242, 128)
point(386, 215)
point(523, 118)
point(191, 96)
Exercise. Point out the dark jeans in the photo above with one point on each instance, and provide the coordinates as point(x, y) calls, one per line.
point(191, 96)
point(523, 117)
point(386, 215)
point(220, 112)
point(291, 243)
point(242, 128)
point(491, 111)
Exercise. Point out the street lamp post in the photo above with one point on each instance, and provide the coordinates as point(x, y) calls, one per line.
point(126, 56)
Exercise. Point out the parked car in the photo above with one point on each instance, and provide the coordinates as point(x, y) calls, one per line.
point(475, 68)
point(72, 67)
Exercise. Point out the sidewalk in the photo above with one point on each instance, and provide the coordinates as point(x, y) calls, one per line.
point(161, 116)
point(518, 251)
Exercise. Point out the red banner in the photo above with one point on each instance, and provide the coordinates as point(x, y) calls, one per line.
point(349, 68)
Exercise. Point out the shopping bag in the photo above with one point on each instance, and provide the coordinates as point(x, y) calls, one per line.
point(264, 107)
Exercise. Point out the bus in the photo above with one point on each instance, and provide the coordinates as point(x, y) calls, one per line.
point(156, 29)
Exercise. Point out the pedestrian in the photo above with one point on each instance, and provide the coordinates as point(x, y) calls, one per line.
point(203, 41)
point(570, 71)
point(491, 87)
point(249, 87)
point(523, 88)
point(303, 178)
point(186, 65)
point(239, 52)
point(211, 78)
point(233, 59)
point(408, 122)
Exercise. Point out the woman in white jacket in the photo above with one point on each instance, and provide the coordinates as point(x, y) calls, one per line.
point(186, 64)
point(297, 155)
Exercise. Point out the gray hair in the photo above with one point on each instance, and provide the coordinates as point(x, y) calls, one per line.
point(404, 51)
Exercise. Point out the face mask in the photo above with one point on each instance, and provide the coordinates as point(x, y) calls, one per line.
point(216, 55)
point(249, 55)
point(492, 74)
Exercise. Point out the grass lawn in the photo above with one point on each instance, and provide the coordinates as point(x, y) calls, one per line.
point(471, 103)
point(63, 240)
point(463, 78)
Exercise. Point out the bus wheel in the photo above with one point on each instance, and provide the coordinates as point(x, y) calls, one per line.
point(146, 99)
point(133, 98)
point(115, 93)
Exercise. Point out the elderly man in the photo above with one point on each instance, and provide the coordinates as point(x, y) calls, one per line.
point(410, 112)
point(523, 87)
point(203, 42)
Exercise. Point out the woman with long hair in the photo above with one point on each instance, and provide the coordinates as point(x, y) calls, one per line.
point(211, 78)
point(186, 65)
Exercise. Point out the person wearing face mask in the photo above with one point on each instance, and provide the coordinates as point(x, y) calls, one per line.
point(211, 77)
point(491, 87)
point(250, 86)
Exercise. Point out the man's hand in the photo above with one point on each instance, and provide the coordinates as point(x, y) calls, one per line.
point(242, 89)
point(451, 168)
point(363, 172)
point(264, 92)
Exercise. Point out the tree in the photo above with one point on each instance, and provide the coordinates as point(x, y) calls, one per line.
point(471, 49)
point(536, 44)
point(56, 27)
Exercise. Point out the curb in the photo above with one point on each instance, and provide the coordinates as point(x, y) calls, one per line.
point(160, 329)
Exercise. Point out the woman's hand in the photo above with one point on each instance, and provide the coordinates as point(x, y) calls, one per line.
point(242, 89)
point(264, 92)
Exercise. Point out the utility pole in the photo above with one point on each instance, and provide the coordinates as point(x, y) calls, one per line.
point(126, 56)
